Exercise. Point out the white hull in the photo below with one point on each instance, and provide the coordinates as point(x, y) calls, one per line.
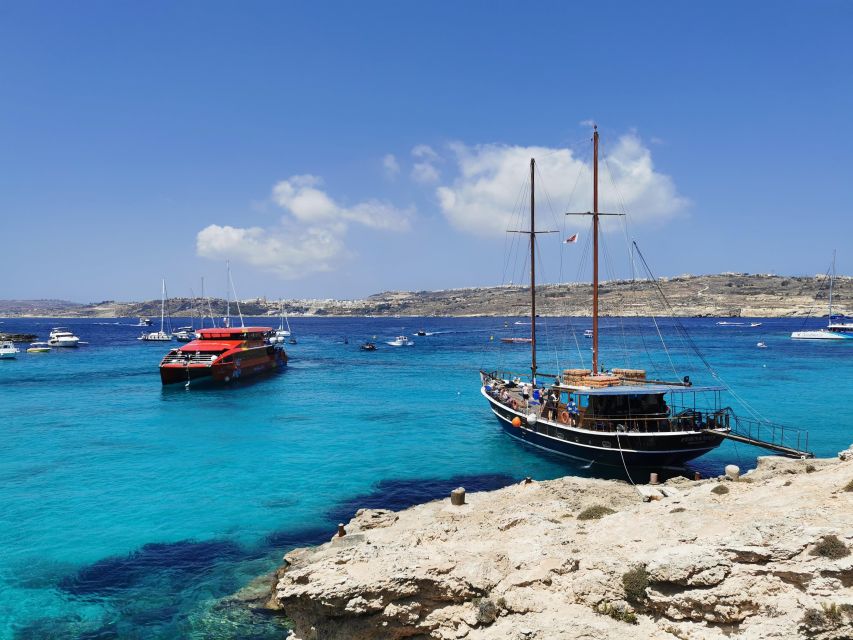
point(6, 354)
point(64, 342)
point(155, 336)
point(819, 334)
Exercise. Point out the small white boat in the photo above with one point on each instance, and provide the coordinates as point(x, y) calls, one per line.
point(587, 333)
point(184, 334)
point(400, 341)
point(817, 334)
point(38, 347)
point(62, 337)
point(8, 350)
point(158, 336)
point(761, 345)
point(726, 323)
point(144, 322)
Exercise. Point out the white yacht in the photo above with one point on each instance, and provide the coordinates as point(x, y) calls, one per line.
point(159, 336)
point(836, 328)
point(8, 350)
point(400, 341)
point(62, 337)
point(38, 347)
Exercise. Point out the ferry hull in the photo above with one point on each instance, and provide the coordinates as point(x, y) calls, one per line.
point(637, 450)
point(225, 372)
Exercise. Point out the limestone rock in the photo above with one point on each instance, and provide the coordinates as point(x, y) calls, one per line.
point(517, 564)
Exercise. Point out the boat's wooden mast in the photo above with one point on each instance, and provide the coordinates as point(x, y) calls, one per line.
point(595, 251)
point(532, 271)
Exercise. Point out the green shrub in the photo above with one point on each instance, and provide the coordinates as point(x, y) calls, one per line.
point(623, 614)
point(720, 489)
point(635, 582)
point(595, 512)
point(832, 611)
point(677, 510)
point(849, 486)
point(810, 468)
point(830, 547)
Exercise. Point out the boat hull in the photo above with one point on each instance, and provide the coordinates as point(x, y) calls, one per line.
point(633, 450)
point(246, 365)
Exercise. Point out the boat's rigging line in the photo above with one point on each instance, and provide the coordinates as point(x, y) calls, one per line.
point(823, 285)
point(689, 339)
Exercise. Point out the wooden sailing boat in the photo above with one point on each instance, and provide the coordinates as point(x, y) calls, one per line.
point(617, 417)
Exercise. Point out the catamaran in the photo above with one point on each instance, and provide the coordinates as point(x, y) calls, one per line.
point(224, 354)
point(836, 329)
point(616, 417)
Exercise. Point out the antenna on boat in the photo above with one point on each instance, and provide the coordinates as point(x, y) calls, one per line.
point(234, 291)
point(595, 213)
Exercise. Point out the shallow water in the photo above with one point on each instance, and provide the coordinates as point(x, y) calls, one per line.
point(128, 510)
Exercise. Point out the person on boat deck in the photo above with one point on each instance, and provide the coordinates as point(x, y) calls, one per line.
point(573, 410)
point(525, 392)
point(552, 399)
point(504, 396)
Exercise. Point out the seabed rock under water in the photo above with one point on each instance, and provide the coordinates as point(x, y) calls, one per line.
point(770, 558)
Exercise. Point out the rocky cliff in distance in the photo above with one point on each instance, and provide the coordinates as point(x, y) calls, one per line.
point(765, 556)
point(724, 295)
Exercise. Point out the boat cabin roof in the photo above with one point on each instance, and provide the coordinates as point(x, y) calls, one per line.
point(637, 390)
point(231, 333)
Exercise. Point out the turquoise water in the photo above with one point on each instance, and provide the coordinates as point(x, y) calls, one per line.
point(128, 510)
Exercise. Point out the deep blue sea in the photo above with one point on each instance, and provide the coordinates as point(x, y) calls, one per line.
point(128, 510)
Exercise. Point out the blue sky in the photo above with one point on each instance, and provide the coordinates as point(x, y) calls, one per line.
point(146, 139)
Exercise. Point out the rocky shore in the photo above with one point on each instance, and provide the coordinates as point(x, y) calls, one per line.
point(764, 555)
point(721, 295)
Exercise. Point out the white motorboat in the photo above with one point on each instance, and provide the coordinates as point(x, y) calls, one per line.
point(38, 347)
point(587, 333)
point(400, 341)
point(62, 337)
point(8, 350)
point(184, 334)
point(144, 322)
point(159, 336)
point(836, 329)
point(761, 345)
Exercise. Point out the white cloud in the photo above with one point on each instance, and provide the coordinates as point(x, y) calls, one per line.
point(424, 171)
point(425, 152)
point(288, 255)
point(310, 235)
point(391, 166)
point(484, 197)
point(302, 198)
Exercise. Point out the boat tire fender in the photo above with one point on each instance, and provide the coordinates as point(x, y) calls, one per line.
point(514, 403)
point(564, 417)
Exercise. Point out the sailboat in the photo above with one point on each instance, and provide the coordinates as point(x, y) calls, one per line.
point(281, 333)
point(159, 336)
point(836, 329)
point(617, 417)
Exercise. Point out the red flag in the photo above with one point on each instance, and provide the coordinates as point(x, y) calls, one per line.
point(571, 238)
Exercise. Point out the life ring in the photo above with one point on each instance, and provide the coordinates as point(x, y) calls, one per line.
point(564, 417)
point(513, 403)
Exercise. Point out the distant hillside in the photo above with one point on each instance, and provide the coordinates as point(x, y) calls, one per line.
point(723, 295)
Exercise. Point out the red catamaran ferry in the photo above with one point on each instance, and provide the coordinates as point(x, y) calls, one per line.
point(222, 355)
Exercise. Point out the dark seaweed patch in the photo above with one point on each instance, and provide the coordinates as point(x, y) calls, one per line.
point(178, 561)
point(397, 494)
